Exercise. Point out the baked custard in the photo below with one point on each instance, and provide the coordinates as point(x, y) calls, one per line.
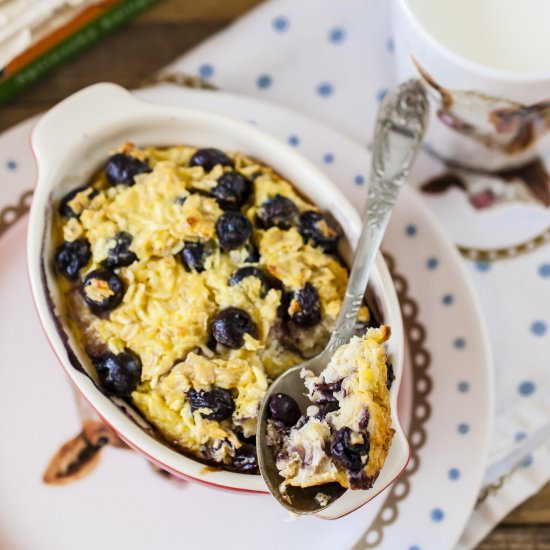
point(192, 278)
point(346, 434)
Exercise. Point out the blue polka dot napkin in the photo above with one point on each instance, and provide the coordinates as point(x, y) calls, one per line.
point(334, 61)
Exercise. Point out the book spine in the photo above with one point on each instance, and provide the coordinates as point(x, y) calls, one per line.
point(70, 46)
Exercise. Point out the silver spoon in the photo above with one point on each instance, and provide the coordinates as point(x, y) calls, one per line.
point(400, 127)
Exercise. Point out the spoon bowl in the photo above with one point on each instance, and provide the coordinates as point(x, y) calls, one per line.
point(302, 501)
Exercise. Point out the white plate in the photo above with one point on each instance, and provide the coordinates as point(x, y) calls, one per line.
point(447, 398)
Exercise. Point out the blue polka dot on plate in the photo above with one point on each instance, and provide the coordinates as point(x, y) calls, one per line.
point(527, 461)
point(448, 299)
point(293, 140)
point(463, 387)
point(390, 45)
point(520, 436)
point(280, 23)
point(527, 388)
point(437, 514)
point(432, 263)
point(483, 266)
point(414, 547)
point(328, 158)
point(337, 35)
point(454, 474)
point(359, 179)
point(11, 165)
point(544, 271)
point(381, 94)
point(539, 328)
point(325, 89)
point(459, 343)
point(463, 428)
point(264, 81)
point(411, 230)
point(206, 70)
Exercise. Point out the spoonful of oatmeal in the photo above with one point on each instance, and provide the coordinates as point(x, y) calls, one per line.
point(324, 426)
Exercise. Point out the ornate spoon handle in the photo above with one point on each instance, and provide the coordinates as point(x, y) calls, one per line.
point(402, 120)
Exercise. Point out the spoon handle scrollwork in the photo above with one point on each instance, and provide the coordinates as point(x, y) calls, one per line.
point(400, 127)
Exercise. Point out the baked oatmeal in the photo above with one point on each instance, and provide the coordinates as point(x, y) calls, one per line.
point(192, 278)
point(346, 434)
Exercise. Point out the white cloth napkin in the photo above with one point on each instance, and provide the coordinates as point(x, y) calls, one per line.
point(333, 60)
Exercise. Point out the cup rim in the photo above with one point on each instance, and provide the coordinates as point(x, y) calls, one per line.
point(478, 68)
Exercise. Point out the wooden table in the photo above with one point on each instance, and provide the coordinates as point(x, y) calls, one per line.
point(131, 55)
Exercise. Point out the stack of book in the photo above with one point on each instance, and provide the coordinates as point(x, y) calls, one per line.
point(38, 35)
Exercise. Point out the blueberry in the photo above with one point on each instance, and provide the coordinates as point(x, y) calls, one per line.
point(245, 459)
point(218, 400)
point(364, 419)
point(390, 375)
point(278, 212)
point(71, 257)
point(193, 255)
point(210, 157)
point(305, 307)
point(121, 168)
point(326, 408)
point(326, 399)
point(360, 480)
point(253, 254)
point(230, 325)
point(103, 290)
point(120, 255)
point(65, 210)
point(326, 391)
point(118, 374)
point(250, 439)
point(232, 190)
point(319, 229)
point(284, 408)
point(268, 282)
point(350, 455)
point(233, 230)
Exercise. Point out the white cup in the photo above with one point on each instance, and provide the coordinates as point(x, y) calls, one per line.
point(489, 112)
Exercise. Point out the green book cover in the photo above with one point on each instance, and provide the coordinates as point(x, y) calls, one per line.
point(50, 52)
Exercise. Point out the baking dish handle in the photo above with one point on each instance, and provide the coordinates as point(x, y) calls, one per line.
point(94, 107)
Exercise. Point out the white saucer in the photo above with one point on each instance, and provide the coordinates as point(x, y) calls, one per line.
point(501, 226)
